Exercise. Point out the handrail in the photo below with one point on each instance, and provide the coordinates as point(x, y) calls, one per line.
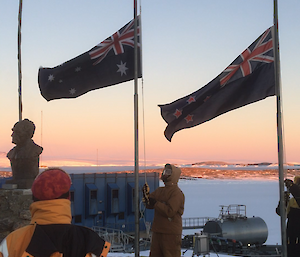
point(192, 223)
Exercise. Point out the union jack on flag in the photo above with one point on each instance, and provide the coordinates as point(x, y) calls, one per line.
point(125, 36)
point(250, 58)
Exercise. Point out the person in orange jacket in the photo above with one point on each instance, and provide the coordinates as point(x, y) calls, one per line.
point(50, 232)
point(168, 205)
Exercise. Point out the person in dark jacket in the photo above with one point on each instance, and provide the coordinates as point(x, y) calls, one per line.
point(50, 232)
point(168, 205)
point(293, 216)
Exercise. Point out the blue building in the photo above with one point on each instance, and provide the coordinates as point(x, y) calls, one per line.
point(107, 200)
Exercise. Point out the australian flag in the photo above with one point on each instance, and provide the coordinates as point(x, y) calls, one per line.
point(249, 78)
point(109, 63)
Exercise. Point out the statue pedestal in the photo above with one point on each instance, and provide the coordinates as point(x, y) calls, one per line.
point(9, 186)
point(24, 183)
point(14, 210)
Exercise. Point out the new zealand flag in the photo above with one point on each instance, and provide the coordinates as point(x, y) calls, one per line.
point(109, 63)
point(249, 78)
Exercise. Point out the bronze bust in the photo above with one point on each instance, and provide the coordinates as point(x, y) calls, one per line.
point(24, 157)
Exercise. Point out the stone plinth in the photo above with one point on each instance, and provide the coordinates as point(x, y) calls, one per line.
point(14, 210)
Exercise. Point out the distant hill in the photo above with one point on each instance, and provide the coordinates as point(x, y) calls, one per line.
point(212, 163)
point(265, 173)
point(220, 163)
point(260, 164)
point(216, 170)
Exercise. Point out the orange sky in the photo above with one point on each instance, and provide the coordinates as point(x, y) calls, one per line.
point(98, 126)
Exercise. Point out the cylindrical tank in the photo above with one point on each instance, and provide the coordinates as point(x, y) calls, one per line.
point(247, 230)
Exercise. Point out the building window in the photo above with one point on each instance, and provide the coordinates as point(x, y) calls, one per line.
point(115, 193)
point(93, 194)
point(72, 196)
point(121, 216)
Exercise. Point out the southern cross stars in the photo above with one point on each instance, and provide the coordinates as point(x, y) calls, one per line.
point(122, 68)
point(189, 117)
point(77, 69)
point(72, 91)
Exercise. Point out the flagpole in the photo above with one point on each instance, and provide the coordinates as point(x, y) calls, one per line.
point(279, 132)
point(136, 145)
point(19, 60)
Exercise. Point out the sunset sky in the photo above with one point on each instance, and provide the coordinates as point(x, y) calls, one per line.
point(185, 45)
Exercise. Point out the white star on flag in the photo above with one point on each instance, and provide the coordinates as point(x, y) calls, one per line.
point(72, 91)
point(122, 68)
point(51, 77)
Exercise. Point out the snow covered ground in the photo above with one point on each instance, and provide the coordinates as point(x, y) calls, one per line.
point(204, 197)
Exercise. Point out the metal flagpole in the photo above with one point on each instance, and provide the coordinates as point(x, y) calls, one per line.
point(279, 132)
point(136, 145)
point(19, 60)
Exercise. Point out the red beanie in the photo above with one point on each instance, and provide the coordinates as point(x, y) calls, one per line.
point(51, 184)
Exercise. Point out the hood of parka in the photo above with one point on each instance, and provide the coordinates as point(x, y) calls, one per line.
point(174, 177)
point(297, 180)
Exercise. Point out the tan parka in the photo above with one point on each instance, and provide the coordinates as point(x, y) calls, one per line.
point(169, 206)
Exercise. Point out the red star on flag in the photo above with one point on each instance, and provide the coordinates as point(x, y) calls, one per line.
point(177, 113)
point(191, 99)
point(189, 118)
point(206, 98)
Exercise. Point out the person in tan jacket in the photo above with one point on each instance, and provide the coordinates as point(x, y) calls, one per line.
point(168, 205)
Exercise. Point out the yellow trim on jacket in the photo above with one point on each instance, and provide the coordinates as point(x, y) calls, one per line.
point(292, 203)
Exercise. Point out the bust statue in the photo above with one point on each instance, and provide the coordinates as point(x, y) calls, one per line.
point(24, 157)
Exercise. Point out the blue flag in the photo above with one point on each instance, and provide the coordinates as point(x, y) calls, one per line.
point(249, 78)
point(109, 63)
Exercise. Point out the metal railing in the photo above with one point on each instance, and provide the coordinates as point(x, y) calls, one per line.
point(120, 241)
point(232, 211)
point(192, 223)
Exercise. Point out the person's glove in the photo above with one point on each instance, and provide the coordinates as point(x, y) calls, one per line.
point(286, 196)
point(288, 183)
point(145, 200)
point(152, 201)
point(146, 189)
